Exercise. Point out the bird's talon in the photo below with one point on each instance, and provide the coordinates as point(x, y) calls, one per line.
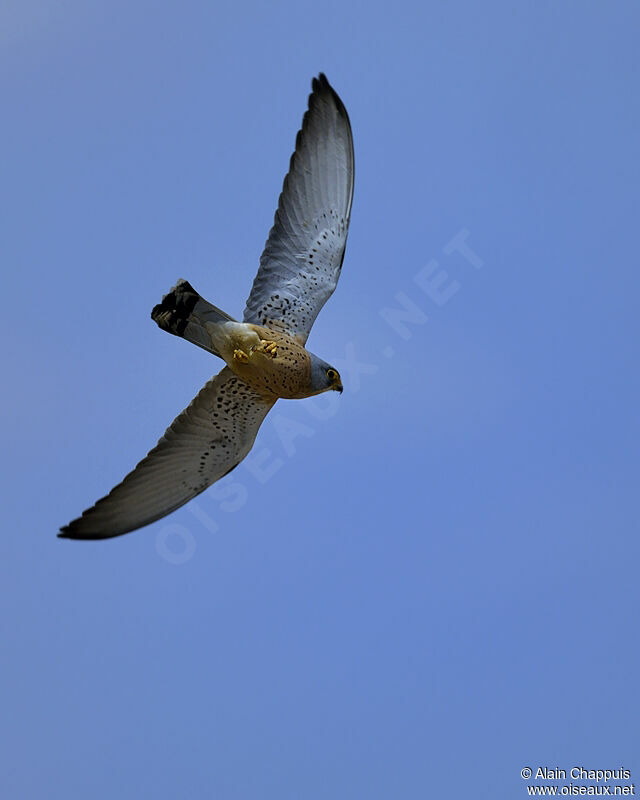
point(241, 356)
point(269, 348)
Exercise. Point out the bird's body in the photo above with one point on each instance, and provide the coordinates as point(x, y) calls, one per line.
point(284, 371)
point(265, 354)
point(266, 357)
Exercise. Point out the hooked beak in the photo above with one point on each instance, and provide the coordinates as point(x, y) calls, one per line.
point(337, 386)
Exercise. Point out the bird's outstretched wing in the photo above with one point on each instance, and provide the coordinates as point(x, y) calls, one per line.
point(205, 442)
point(301, 262)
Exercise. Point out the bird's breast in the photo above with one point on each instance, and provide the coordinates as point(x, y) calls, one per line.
point(286, 374)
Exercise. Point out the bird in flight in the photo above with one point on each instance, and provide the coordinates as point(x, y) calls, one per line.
point(265, 354)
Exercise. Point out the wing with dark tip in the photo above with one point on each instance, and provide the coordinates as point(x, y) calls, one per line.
point(301, 262)
point(205, 442)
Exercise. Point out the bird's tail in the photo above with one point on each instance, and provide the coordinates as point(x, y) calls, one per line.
point(184, 313)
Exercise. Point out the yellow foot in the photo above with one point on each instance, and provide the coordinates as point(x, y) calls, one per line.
point(241, 356)
point(268, 348)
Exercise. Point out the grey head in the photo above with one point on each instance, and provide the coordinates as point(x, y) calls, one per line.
point(323, 376)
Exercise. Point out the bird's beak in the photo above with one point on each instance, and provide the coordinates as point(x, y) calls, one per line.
point(338, 386)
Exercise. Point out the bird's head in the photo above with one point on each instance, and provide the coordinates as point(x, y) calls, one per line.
point(324, 377)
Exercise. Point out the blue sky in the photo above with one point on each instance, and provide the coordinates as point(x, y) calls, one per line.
point(418, 588)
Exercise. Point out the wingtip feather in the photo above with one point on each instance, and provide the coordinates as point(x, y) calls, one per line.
point(321, 86)
point(69, 531)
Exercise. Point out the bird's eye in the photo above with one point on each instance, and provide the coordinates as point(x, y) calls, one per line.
point(332, 374)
